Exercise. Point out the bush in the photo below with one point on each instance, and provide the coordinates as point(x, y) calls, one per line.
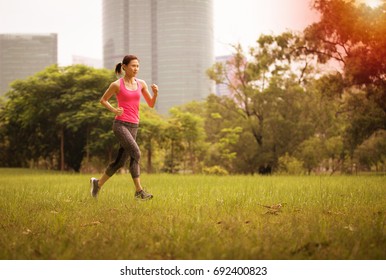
point(290, 165)
point(215, 170)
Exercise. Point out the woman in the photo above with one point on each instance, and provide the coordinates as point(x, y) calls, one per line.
point(128, 92)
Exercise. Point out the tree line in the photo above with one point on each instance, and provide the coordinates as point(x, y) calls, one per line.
point(284, 113)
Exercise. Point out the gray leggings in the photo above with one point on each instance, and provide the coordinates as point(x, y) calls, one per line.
point(126, 134)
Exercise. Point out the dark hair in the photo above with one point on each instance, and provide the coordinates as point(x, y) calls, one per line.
point(125, 61)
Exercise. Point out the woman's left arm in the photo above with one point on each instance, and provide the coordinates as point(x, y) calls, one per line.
point(150, 100)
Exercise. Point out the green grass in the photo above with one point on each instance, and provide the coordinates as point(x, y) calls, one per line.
point(50, 215)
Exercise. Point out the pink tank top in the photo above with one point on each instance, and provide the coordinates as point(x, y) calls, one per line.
point(129, 101)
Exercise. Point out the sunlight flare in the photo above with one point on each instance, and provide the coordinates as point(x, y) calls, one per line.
point(373, 3)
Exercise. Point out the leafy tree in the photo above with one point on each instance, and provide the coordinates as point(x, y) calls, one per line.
point(151, 133)
point(311, 153)
point(52, 114)
point(224, 130)
point(191, 132)
point(30, 114)
point(365, 118)
point(372, 152)
point(352, 33)
point(173, 145)
point(334, 149)
point(326, 109)
point(290, 165)
point(267, 89)
point(223, 152)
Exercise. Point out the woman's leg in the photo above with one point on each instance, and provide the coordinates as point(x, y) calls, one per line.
point(126, 136)
point(137, 184)
point(111, 169)
point(131, 147)
point(114, 166)
point(103, 180)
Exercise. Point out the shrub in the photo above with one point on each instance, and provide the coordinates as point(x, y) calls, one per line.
point(290, 165)
point(215, 170)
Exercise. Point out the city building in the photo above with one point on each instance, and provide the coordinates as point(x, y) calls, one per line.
point(22, 55)
point(173, 40)
point(223, 89)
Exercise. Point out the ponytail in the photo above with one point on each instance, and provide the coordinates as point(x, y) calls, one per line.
point(125, 61)
point(118, 69)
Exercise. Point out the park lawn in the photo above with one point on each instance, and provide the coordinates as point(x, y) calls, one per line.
point(51, 215)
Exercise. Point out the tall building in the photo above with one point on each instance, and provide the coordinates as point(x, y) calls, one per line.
point(22, 55)
point(223, 89)
point(173, 40)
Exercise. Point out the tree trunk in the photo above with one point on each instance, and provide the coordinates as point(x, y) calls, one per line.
point(149, 155)
point(62, 149)
point(191, 157)
point(172, 158)
point(87, 149)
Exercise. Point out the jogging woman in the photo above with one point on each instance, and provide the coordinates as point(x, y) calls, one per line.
point(128, 92)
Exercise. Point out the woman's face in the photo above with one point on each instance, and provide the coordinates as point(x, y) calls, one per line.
point(132, 68)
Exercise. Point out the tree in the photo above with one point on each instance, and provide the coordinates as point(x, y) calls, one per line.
point(81, 110)
point(263, 86)
point(335, 152)
point(53, 114)
point(290, 165)
point(151, 133)
point(365, 118)
point(353, 34)
point(223, 132)
point(191, 133)
point(30, 113)
point(311, 153)
point(173, 145)
point(372, 152)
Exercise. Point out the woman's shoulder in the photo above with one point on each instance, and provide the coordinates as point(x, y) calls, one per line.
point(142, 82)
point(115, 86)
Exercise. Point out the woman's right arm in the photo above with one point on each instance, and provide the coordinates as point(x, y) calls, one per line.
point(113, 89)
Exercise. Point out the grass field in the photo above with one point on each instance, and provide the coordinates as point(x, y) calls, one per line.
point(50, 215)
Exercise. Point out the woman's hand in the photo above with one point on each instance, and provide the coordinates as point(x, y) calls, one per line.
point(119, 111)
point(154, 88)
point(150, 100)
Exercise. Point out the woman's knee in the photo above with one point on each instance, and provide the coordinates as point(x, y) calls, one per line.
point(136, 155)
point(114, 167)
point(120, 165)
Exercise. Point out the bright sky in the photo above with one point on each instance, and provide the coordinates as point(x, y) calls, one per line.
point(79, 22)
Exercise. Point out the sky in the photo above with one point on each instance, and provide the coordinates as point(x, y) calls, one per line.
point(79, 22)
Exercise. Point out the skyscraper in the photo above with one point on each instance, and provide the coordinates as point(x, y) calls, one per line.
point(173, 40)
point(223, 89)
point(22, 55)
